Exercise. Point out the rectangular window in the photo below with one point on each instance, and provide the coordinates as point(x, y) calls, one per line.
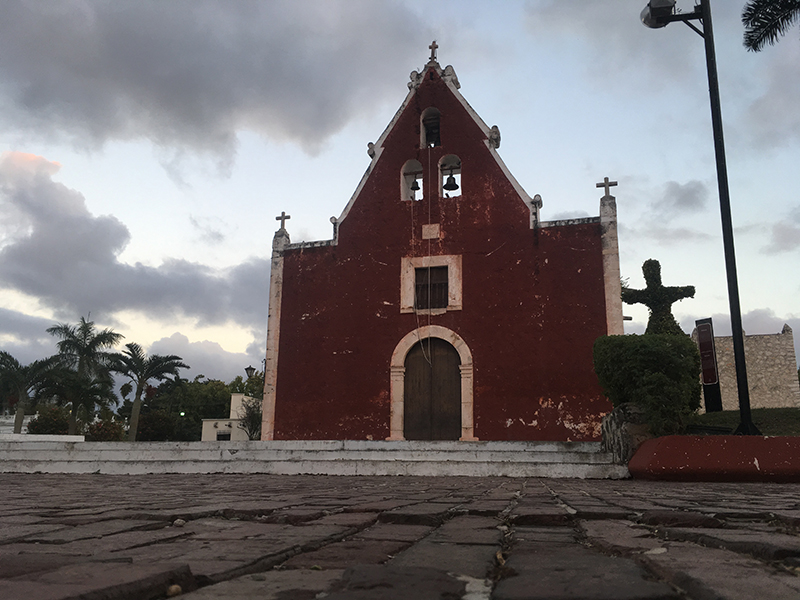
point(223, 436)
point(431, 288)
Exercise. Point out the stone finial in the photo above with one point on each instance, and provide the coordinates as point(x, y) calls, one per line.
point(494, 137)
point(536, 205)
point(449, 74)
point(371, 149)
point(416, 79)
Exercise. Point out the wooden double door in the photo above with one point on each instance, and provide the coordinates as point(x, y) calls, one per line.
point(432, 391)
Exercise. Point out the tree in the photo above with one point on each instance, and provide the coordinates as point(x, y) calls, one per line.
point(82, 394)
point(252, 386)
point(176, 409)
point(19, 383)
point(766, 20)
point(250, 418)
point(140, 368)
point(82, 349)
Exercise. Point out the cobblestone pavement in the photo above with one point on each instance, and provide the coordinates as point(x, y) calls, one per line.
point(301, 537)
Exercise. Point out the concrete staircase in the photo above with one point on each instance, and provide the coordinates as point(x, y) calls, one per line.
point(471, 459)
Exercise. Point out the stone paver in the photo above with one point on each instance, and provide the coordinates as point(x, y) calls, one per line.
point(554, 572)
point(271, 536)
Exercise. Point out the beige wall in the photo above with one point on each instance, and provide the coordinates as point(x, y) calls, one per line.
point(771, 370)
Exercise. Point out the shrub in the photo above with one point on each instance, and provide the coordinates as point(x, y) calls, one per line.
point(105, 431)
point(52, 420)
point(660, 373)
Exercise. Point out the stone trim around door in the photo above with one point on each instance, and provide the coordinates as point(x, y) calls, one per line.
point(397, 379)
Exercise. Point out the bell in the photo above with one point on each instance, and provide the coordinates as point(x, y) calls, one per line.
point(450, 185)
point(415, 186)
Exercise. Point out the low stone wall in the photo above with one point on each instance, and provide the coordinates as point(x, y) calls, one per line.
point(624, 430)
point(771, 370)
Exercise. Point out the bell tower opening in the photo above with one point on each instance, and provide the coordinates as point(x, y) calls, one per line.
point(411, 180)
point(430, 130)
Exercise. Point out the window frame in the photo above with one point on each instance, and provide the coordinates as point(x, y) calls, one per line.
point(408, 274)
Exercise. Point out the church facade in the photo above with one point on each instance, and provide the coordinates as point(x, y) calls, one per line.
point(443, 307)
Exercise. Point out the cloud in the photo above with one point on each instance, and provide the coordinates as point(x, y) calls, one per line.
point(24, 336)
point(191, 74)
point(669, 203)
point(616, 38)
point(772, 118)
point(668, 236)
point(785, 235)
point(205, 357)
point(207, 232)
point(55, 250)
point(681, 198)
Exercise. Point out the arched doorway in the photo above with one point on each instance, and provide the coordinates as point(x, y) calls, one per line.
point(398, 378)
point(432, 391)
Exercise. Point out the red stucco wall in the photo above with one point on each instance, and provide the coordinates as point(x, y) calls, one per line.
point(533, 299)
point(717, 458)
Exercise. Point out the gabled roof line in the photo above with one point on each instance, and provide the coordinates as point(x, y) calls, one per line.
point(492, 134)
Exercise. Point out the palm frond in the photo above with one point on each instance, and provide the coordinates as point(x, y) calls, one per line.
point(767, 20)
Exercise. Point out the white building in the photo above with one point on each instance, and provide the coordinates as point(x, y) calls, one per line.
point(223, 430)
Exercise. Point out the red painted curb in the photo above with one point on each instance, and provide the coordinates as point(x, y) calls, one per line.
point(718, 458)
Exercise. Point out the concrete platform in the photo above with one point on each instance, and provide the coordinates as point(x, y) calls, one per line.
point(582, 460)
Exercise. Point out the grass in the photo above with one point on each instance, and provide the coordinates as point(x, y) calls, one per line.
point(770, 421)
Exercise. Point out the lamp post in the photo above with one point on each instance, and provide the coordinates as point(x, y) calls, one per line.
point(250, 371)
point(660, 13)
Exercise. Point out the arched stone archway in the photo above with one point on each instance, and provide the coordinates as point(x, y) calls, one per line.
point(397, 369)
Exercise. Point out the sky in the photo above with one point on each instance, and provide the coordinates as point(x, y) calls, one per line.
point(146, 148)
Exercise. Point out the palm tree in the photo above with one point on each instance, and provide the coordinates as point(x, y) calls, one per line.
point(82, 349)
point(84, 394)
point(140, 368)
point(21, 382)
point(766, 20)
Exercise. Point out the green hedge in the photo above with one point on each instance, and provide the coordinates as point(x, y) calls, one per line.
point(659, 372)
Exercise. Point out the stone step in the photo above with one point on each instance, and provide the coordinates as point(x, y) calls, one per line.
point(509, 459)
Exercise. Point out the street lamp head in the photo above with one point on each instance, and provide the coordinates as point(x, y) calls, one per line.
point(250, 371)
point(656, 11)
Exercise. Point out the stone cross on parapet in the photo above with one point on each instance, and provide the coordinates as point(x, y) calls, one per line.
point(607, 185)
point(433, 48)
point(283, 218)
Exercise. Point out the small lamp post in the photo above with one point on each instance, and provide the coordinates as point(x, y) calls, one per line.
point(250, 371)
point(657, 14)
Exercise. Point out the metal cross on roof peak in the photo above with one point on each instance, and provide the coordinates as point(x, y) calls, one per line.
point(607, 185)
point(283, 218)
point(433, 48)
